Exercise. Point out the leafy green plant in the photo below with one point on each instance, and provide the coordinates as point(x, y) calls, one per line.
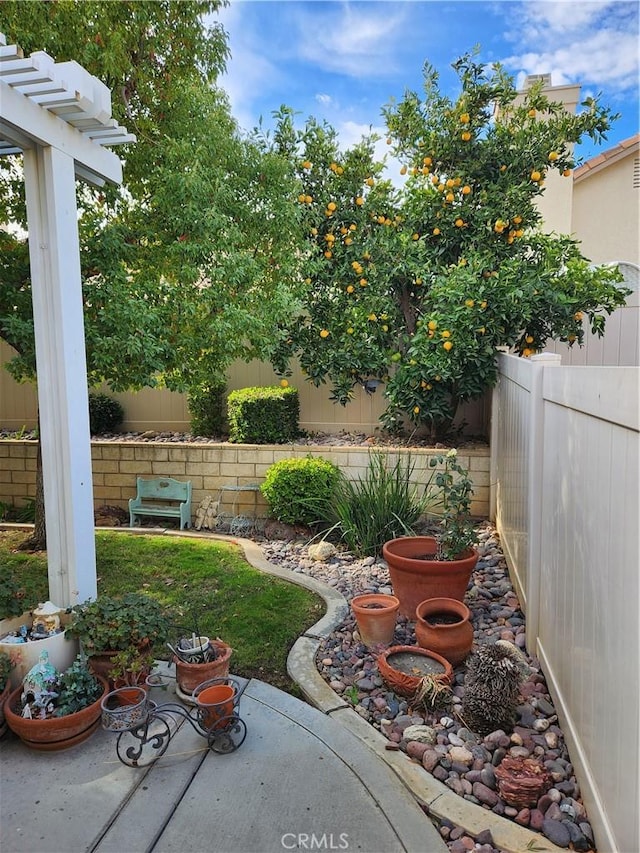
point(5, 669)
point(208, 408)
point(450, 489)
point(130, 666)
point(263, 415)
point(382, 505)
point(26, 512)
point(115, 623)
point(105, 414)
point(351, 694)
point(77, 689)
point(12, 597)
point(300, 490)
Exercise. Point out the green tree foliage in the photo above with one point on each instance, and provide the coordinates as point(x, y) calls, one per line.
point(174, 261)
point(417, 287)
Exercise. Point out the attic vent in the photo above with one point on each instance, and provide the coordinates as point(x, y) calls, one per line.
point(636, 173)
point(537, 78)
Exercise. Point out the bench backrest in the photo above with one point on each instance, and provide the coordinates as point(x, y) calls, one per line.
point(164, 488)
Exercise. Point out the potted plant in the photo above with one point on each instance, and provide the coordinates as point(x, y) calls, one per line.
point(130, 668)
point(212, 662)
point(131, 623)
point(62, 712)
point(20, 642)
point(440, 566)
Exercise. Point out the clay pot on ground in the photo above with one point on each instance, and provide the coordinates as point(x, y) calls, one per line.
point(190, 675)
point(55, 733)
point(403, 668)
point(416, 574)
point(3, 698)
point(443, 625)
point(376, 616)
point(215, 703)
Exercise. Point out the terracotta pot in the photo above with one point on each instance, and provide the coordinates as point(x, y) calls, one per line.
point(443, 625)
point(124, 708)
point(190, 675)
point(3, 698)
point(416, 575)
point(376, 617)
point(214, 704)
point(405, 681)
point(56, 733)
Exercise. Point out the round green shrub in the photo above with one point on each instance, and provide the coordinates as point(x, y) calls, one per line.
point(208, 408)
point(299, 491)
point(105, 414)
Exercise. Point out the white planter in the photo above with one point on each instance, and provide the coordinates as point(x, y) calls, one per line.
point(62, 651)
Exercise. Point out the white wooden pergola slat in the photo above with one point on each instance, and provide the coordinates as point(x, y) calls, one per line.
point(59, 118)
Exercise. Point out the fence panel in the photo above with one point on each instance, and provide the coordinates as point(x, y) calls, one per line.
point(581, 578)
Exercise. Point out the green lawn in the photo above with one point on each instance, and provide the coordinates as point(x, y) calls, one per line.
point(208, 582)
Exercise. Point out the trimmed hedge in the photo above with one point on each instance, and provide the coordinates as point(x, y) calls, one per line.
point(300, 490)
point(263, 415)
point(207, 407)
point(105, 414)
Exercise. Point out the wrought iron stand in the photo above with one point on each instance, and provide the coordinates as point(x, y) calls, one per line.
point(145, 728)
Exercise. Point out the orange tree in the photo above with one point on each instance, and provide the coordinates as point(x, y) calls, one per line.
point(417, 287)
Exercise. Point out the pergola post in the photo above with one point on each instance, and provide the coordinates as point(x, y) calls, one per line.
point(59, 118)
point(54, 254)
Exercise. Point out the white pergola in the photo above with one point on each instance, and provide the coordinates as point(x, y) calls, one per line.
point(58, 117)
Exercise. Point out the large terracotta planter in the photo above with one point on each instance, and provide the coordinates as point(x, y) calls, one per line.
point(416, 575)
point(443, 625)
point(190, 675)
point(62, 650)
point(56, 733)
point(376, 616)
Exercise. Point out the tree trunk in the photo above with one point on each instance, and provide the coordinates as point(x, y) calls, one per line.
point(38, 540)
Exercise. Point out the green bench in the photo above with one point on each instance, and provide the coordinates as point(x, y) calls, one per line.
point(162, 497)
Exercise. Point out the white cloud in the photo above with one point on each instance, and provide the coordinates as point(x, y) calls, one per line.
point(592, 43)
point(323, 99)
point(353, 39)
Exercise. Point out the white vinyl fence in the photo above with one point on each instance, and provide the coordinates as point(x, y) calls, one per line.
point(565, 487)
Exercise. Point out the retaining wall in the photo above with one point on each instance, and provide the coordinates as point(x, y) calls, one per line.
point(212, 466)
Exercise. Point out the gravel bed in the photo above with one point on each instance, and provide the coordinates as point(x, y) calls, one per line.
point(464, 761)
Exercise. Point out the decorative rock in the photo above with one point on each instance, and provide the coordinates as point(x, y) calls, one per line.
point(485, 837)
point(430, 759)
point(416, 749)
point(484, 794)
point(523, 817)
point(461, 754)
point(556, 831)
point(321, 551)
point(536, 819)
point(423, 734)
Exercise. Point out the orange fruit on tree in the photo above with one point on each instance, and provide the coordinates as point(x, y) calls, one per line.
point(446, 333)
point(447, 345)
point(466, 136)
point(350, 288)
point(553, 155)
point(449, 197)
point(531, 113)
point(469, 303)
point(403, 170)
point(332, 205)
point(432, 324)
point(359, 201)
point(535, 175)
point(284, 383)
point(466, 189)
point(324, 333)
point(306, 164)
point(436, 231)
point(459, 223)
point(464, 118)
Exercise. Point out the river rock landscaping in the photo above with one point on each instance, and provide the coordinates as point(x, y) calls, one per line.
point(463, 760)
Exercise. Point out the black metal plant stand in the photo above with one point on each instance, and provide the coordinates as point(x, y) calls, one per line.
point(145, 728)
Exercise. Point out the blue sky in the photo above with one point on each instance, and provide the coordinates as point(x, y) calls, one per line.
point(342, 61)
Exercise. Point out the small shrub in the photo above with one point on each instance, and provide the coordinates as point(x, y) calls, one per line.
point(105, 414)
point(381, 506)
point(207, 407)
point(263, 415)
point(300, 491)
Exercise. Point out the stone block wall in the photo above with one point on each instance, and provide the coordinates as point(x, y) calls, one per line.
point(212, 466)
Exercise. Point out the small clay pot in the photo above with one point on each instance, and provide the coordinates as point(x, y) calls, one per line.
point(190, 675)
point(403, 667)
point(376, 616)
point(444, 626)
